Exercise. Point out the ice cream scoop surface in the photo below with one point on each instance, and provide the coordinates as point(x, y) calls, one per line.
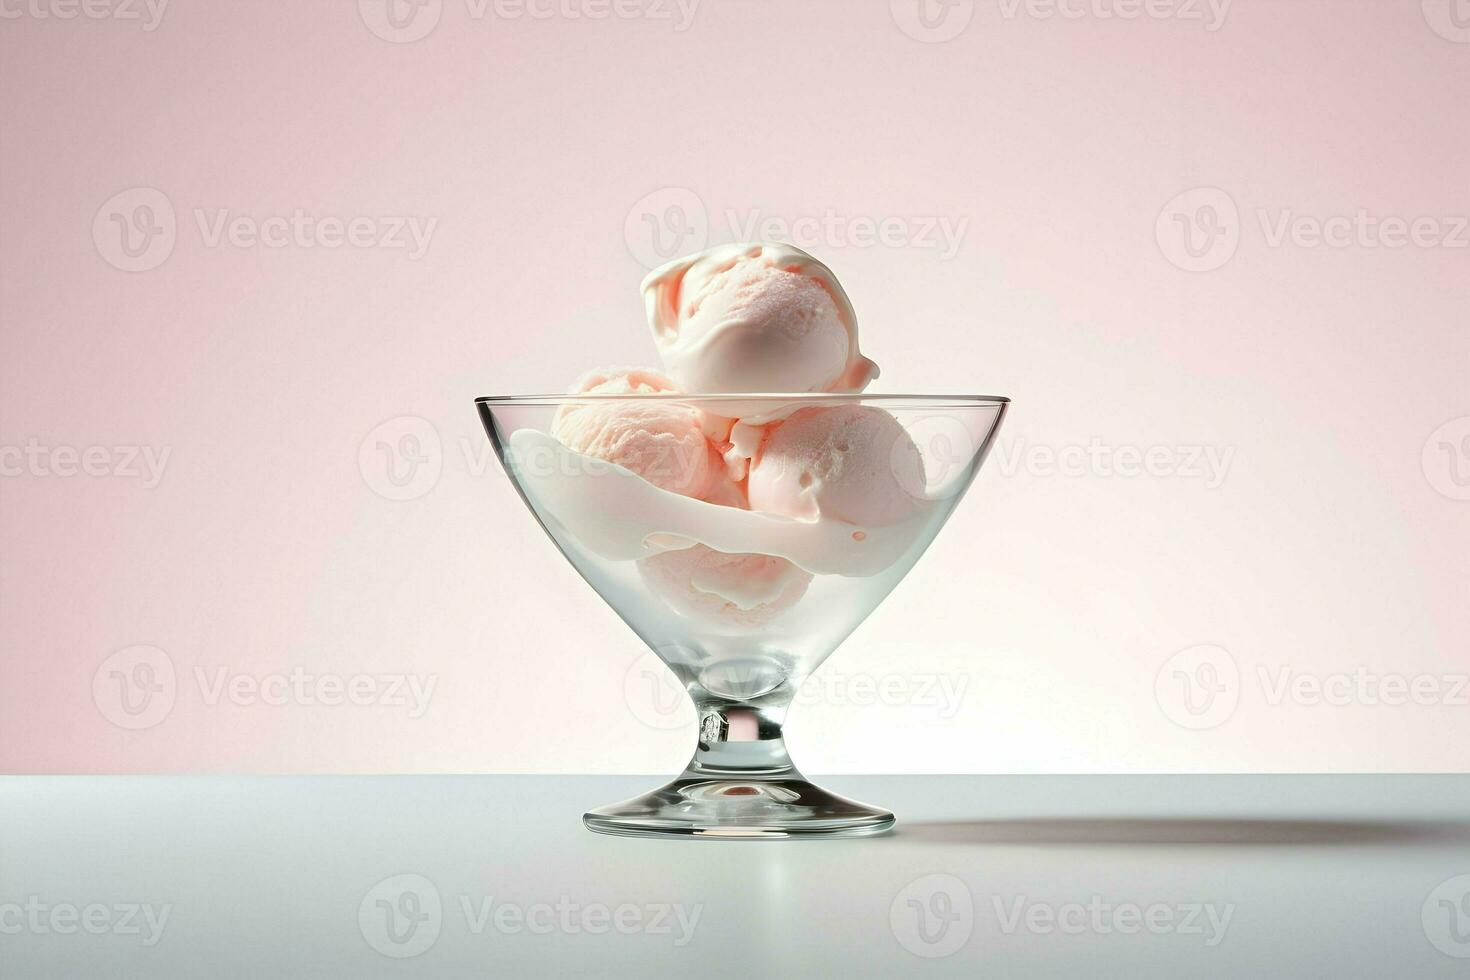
point(738, 592)
point(661, 441)
point(622, 381)
point(851, 463)
point(621, 516)
point(755, 318)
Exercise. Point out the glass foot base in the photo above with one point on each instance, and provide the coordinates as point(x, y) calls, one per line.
point(737, 808)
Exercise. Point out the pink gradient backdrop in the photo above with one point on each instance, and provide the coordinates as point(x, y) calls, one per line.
point(1056, 599)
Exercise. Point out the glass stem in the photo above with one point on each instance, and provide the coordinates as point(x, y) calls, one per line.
point(740, 740)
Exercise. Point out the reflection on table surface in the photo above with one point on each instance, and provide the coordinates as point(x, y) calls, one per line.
point(985, 876)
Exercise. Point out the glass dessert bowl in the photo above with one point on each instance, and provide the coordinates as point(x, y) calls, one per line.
point(745, 565)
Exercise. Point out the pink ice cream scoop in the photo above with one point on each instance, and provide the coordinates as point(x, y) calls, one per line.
point(851, 463)
point(755, 318)
point(733, 593)
point(622, 381)
point(661, 441)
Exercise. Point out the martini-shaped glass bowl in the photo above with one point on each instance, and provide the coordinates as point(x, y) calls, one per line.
point(742, 606)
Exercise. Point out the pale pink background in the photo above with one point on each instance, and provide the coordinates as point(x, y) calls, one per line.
point(1058, 599)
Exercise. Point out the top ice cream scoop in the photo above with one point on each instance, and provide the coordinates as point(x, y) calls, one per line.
point(755, 318)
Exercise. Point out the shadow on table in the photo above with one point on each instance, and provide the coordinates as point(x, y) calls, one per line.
point(1183, 830)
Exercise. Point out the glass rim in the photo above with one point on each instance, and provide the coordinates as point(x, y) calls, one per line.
point(808, 397)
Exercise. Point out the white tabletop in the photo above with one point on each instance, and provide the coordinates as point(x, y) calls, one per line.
point(450, 876)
